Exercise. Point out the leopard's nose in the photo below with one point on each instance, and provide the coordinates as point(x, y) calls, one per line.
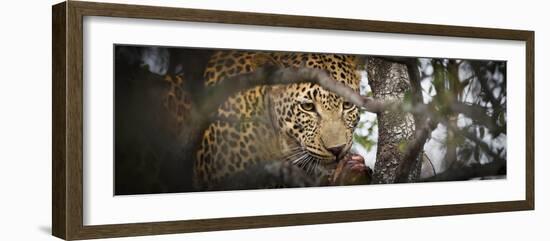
point(336, 150)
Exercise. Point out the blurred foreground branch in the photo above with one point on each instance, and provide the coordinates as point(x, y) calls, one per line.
point(476, 170)
point(271, 75)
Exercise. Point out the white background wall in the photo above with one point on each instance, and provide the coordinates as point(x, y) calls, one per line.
point(25, 120)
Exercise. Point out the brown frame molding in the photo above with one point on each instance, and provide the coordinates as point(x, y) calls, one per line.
point(67, 58)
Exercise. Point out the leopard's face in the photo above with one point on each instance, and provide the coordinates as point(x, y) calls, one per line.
point(317, 125)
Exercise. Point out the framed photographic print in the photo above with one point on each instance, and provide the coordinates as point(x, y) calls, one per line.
point(171, 120)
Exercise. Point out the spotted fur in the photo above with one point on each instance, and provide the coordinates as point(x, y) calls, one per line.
point(303, 123)
point(177, 101)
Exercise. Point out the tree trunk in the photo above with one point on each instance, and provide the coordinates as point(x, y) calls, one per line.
point(390, 82)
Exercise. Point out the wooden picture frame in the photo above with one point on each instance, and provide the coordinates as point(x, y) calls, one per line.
point(67, 159)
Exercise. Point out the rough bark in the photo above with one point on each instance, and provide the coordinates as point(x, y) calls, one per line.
point(390, 82)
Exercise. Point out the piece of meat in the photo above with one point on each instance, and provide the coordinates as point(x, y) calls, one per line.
point(351, 170)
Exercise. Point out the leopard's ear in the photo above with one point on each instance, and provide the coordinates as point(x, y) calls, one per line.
point(264, 59)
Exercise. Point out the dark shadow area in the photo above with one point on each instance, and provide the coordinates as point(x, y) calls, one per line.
point(149, 157)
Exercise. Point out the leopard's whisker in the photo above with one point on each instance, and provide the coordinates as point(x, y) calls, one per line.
point(292, 152)
point(299, 160)
point(313, 165)
point(305, 162)
point(296, 160)
point(318, 169)
point(310, 164)
point(293, 156)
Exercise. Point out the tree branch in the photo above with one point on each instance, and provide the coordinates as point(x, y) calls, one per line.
point(413, 151)
point(484, 86)
point(486, 148)
point(478, 114)
point(464, 173)
point(271, 75)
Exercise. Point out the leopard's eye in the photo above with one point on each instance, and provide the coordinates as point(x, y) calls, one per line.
point(308, 106)
point(347, 105)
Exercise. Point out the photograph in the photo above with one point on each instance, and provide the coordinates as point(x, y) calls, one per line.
point(206, 119)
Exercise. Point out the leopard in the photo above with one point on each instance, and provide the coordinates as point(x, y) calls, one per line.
point(301, 124)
